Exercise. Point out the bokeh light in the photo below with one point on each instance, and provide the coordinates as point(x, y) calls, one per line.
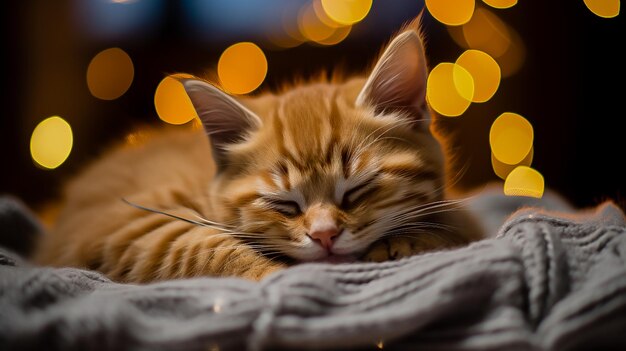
point(110, 73)
point(346, 12)
point(487, 32)
point(500, 4)
point(513, 58)
point(339, 34)
point(449, 89)
point(485, 73)
point(312, 27)
point(286, 34)
point(51, 142)
point(604, 8)
point(316, 26)
point(322, 15)
point(511, 138)
point(451, 12)
point(524, 181)
point(242, 67)
point(171, 102)
point(502, 170)
point(137, 138)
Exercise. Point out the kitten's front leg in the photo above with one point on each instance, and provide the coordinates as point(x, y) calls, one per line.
point(461, 229)
point(392, 248)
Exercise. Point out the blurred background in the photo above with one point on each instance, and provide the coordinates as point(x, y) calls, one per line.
point(100, 68)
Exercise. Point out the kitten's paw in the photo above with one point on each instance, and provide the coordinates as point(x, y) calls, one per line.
point(390, 249)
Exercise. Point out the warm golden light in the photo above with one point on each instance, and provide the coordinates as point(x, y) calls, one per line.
point(500, 4)
point(315, 26)
point(486, 32)
point(524, 181)
point(242, 68)
point(485, 73)
point(513, 58)
point(323, 16)
point(287, 34)
point(449, 89)
point(136, 138)
point(339, 34)
point(451, 12)
point(347, 12)
point(511, 138)
point(290, 26)
point(109, 74)
point(312, 27)
point(604, 8)
point(51, 142)
point(502, 170)
point(172, 103)
point(217, 306)
point(282, 40)
point(380, 344)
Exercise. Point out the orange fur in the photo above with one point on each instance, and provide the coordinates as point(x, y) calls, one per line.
point(302, 144)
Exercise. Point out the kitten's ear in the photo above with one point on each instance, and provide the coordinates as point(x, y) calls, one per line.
point(225, 120)
point(398, 81)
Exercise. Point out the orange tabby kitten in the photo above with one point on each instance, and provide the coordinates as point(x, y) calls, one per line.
point(322, 172)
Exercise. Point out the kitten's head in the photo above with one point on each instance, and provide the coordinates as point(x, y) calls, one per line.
point(324, 170)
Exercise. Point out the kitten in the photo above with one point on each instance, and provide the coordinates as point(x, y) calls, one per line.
point(330, 172)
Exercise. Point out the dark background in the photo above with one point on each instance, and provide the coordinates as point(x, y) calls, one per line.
point(570, 87)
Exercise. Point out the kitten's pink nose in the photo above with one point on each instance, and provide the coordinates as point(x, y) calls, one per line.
point(325, 236)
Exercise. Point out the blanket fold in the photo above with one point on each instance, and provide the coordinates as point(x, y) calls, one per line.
point(545, 282)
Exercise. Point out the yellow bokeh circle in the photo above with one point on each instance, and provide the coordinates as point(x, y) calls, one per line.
point(51, 142)
point(337, 37)
point(312, 27)
point(242, 67)
point(451, 12)
point(346, 12)
point(315, 25)
point(449, 89)
point(502, 170)
point(485, 72)
point(110, 73)
point(524, 181)
point(171, 102)
point(500, 4)
point(487, 32)
point(604, 8)
point(511, 138)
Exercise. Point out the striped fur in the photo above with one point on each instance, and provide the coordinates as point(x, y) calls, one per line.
point(272, 166)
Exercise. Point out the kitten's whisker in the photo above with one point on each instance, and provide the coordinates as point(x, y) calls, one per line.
point(410, 227)
point(163, 213)
point(419, 209)
point(422, 214)
point(191, 221)
point(458, 175)
point(204, 220)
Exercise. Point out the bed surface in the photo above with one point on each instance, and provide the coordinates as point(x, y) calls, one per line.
point(541, 282)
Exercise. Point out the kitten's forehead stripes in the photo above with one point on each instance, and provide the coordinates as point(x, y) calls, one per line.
point(335, 127)
point(280, 140)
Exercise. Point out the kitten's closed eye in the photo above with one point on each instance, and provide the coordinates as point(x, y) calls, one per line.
point(285, 207)
point(356, 194)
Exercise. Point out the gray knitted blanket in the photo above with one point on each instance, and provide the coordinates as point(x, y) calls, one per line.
point(542, 283)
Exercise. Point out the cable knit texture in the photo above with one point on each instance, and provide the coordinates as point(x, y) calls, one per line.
point(544, 282)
